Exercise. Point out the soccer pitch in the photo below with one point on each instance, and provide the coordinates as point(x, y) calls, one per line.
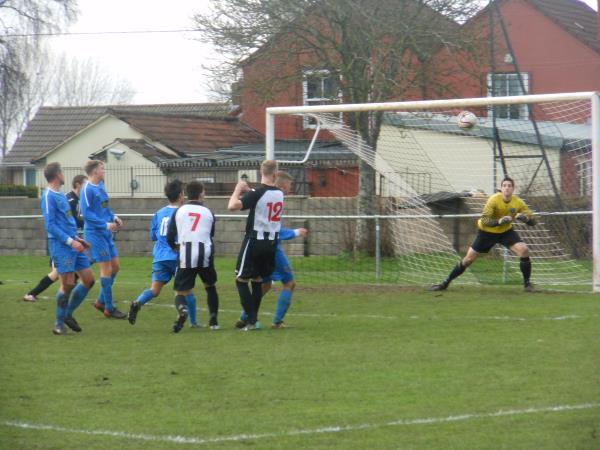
point(361, 367)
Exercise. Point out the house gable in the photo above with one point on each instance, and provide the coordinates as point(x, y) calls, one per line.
point(555, 59)
point(575, 17)
point(76, 150)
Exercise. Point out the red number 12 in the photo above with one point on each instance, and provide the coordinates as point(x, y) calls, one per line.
point(274, 211)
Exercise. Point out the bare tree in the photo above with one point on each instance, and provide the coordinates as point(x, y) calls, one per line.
point(31, 75)
point(380, 50)
point(84, 82)
point(21, 24)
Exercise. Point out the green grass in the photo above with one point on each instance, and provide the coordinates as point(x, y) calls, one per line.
point(359, 357)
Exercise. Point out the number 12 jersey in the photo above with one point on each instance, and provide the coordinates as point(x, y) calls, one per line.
point(266, 207)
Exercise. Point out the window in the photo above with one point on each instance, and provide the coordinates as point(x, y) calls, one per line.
point(29, 177)
point(584, 176)
point(506, 84)
point(319, 87)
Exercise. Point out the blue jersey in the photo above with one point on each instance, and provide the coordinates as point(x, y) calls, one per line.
point(58, 217)
point(158, 233)
point(94, 206)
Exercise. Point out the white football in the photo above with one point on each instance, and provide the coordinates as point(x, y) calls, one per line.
point(466, 120)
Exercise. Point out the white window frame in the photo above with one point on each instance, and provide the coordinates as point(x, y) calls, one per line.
point(523, 110)
point(308, 101)
point(584, 177)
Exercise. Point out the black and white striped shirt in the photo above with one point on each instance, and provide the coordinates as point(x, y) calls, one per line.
point(192, 227)
point(266, 208)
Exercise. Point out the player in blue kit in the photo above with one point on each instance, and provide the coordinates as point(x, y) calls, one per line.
point(283, 270)
point(164, 263)
point(73, 199)
point(99, 224)
point(66, 250)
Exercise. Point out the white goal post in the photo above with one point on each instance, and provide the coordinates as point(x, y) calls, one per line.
point(443, 110)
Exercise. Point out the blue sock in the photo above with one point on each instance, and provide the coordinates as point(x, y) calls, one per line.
point(101, 296)
point(145, 297)
point(107, 292)
point(243, 316)
point(61, 308)
point(191, 304)
point(283, 303)
point(77, 296)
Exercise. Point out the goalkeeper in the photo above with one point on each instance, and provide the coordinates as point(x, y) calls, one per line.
point(495, 227)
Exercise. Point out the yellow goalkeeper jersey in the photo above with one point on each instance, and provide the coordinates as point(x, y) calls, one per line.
point(496, 208)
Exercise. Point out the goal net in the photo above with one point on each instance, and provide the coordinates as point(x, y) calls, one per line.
point(392, 192)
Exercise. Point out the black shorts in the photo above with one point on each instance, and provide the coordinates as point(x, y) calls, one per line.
point(185, 279)
point(484, 241)
point(256, 258)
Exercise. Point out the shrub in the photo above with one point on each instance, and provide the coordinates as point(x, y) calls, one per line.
point(17, 190)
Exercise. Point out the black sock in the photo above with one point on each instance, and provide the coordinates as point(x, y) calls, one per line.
point(181, 304)
point(525, 266)
point(212, 300)
point(257, 295)
point(246, 301)
point(456, 272)
point(41, 286)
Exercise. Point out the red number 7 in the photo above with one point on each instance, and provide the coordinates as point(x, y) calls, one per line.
point(196, 219)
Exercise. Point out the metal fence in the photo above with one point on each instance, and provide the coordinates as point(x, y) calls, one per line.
point(150, 181)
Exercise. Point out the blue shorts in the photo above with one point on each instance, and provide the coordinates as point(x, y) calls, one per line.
point(65, 258)
point(102, 244)
point(283, 270)
point(163, 271)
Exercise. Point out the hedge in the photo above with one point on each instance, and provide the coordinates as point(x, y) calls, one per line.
point(17, 190)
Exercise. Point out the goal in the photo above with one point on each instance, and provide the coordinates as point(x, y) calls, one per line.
point(394, 189)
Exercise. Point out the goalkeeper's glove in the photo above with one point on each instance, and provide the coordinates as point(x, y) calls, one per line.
point(522, 218)
point(505, 219)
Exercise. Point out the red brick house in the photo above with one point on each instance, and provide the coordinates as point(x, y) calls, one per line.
point(555, 44)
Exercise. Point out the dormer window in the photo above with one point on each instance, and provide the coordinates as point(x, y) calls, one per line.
point(319, 87)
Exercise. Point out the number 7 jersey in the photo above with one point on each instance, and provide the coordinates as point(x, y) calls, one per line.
point(266, 208)
point(194, 226)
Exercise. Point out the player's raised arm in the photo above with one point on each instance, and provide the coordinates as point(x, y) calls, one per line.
point(235, 201)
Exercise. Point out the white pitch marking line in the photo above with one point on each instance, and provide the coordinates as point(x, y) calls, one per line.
point(373, 316)
point(329, 429)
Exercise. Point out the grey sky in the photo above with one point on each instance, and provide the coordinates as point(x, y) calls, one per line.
point(162, 67)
